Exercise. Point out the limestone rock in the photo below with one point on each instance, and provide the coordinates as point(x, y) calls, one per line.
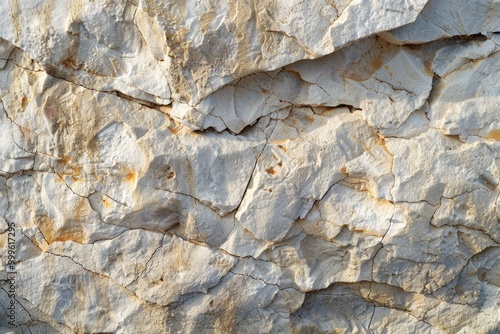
point(211, 45)
point(387, 82)
point(250, 166)
point(443, 19)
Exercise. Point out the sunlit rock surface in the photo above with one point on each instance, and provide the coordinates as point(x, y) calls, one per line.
point(259, 166)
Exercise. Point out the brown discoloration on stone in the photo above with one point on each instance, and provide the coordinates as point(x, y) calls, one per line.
point(271, 170)
point(130, 176)
point(71, 63)
point(105, 203)
point(454, 137)
point(24, 102)
point(66, 233)
point(64, 160)
point(371, 62)
point(493, 134)
point(380, 139)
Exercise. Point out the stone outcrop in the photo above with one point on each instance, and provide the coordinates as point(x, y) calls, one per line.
point(254, 166)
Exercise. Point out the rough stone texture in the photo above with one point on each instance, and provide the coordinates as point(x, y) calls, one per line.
point(256, 166)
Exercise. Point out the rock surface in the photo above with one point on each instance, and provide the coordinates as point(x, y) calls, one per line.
point(256, 166)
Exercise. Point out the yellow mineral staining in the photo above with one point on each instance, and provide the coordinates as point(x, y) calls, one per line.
point(493, 134)
point(380, 139)
point(130, 176)
point(105, 203)
point(364, 69)
point(65, 168)
point(73, 232)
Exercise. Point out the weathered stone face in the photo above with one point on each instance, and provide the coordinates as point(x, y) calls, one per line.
point(257, 166)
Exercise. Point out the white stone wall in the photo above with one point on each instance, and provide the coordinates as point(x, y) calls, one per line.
point(250, 166)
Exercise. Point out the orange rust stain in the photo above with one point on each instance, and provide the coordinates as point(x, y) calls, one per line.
point(72, 233)
point(367, 66)
point(280, 164)
point(362, 74)
point(265, 91)
point(26, 131)
point(131, 176)
point(106, 203)
point(271, 170)
point(59, 179)
point(75, 170)
point(343, 170)
point(170, 175)
point(270, 190)
point(380, 139)
point(81, 210)
point(24, 102)
point(64, 160)
point(494, 134)
point(282, 147)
